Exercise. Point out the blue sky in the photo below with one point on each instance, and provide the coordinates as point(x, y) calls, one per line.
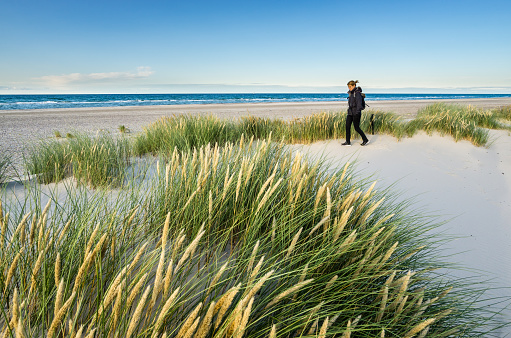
point(254, 46)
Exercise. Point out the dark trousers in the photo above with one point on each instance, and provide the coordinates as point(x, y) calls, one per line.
point(355, 119)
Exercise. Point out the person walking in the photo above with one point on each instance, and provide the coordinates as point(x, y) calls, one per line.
point(355, 106)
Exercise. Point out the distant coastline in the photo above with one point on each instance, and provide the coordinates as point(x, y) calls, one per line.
point(24, 102)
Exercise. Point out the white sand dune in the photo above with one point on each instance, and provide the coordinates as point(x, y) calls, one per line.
point(466, 186)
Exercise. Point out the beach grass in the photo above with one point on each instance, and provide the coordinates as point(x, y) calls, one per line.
point(185, 132)
point(91, 159)
point(246, 240)
point(503, 113)
point(97, 161)
point(230, 234)
point(462, 123)
point(5, 163)
point(48, 160)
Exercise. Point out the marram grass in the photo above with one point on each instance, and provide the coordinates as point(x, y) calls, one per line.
point(462, 123)
point(101, 160)
point(95, 161)
point(503, 113)
point(5, 162)
point(245, 240)
point(186, 132)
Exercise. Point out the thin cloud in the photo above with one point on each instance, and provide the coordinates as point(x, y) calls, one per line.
point(14, 88)
point(94, 78)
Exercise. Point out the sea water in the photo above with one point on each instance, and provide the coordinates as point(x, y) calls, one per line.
point(15, 102)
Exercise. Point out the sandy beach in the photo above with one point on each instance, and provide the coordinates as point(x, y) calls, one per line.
point(467, 187)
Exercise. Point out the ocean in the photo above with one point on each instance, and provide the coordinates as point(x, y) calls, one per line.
point(16, 102)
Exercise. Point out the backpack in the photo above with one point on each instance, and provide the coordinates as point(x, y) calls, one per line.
point(364, 105)
point(363, 99)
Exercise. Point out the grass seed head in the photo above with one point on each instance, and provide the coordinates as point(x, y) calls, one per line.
point(190, 249)
point(12, 269)
point(383, 304)
point(168, 278)
point(177, 246)
point(323, 221)
point(137, 257)
point(288, 292)
point(57, 320)
point(163, 313)
point(418, 328)
point(218, 275)
point(239, 331)
point(252, 256)
point(165, 231)
point(117, 306)
point(224, 303)
point(35, 271)
point(293, 243)
point(114, 286)
point(323, 329)
point(15, 308)
point(190, 322)
point(205, 325)
point(273, 332)
point(273, 227)
point(136, 290)
point(256, 270)
point(138, 313)
point(252, 292)
point(59, 298)
point(82, 271)
point(58, 267)
point(331, 282)
point(158, 278)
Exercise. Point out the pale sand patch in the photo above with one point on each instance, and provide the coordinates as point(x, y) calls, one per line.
point(467, 186)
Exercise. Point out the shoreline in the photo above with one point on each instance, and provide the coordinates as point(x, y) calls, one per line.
point(398, 106)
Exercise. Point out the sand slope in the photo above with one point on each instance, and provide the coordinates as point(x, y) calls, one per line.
point(467, 186)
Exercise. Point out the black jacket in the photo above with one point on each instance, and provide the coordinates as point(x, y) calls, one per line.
point(355, 101)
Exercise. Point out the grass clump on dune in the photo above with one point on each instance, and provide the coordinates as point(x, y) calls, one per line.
point(503, 113)
point(245, 240)
point(5, 162)
point(185, 132)
point(49, 160)
point(99, 161)
point(96, 161)
point(462, 123)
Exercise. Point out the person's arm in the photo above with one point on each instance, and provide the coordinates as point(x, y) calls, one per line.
point(358, 99)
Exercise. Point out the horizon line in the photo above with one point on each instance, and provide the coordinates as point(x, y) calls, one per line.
point(254, 92)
